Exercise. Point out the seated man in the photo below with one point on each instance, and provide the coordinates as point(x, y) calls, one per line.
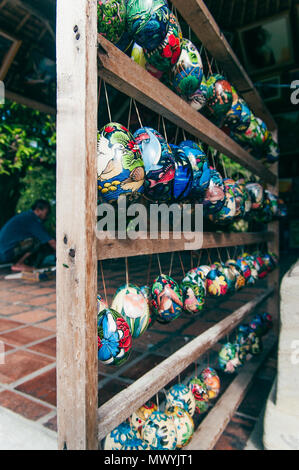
point(24, 236)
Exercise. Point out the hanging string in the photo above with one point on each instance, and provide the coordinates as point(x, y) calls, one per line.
point(164, 129)
point(223, 165)
point(130, 113)
point(103, 281)
point(149, 269)
point(176, 136)
point(208, 61)
point(107, 102)
point(209, 257)
point(219, 255)
point(159, 264)
point(171, 261)
point(99, 92)
point(157, 401)
point(181, 262)
point(191, 259)
point(159, 123)
point(189, 33)
point(196, 369)
point(184, 135)
point(138, 115)
point(127, 271)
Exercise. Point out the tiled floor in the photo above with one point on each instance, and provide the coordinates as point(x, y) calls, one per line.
point(28, 327)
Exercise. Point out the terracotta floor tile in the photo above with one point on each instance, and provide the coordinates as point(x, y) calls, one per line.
point(196, 328)
point(8, 310)
point(41, 300)
point(51, 306)
point(143, 366)
point(23, 336)
point(19, 364)
point(11, 296)
point(236, 434)
point(46, 347)
point(50, 324)
point(42, 387)
point(148, 340)
point(23, 406)
point(8, 324)
point(110, 389)
point(52, 424)
point(32, 316)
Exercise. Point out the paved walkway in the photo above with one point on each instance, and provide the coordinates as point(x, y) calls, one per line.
point(28, 377)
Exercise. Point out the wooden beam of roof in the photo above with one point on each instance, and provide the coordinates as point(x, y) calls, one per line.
point(196, 14)
point(37, 13)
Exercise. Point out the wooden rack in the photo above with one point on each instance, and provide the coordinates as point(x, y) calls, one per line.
point(82, 55)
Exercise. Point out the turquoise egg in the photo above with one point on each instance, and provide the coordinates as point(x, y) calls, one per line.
point(119, 437)
point(228, 358)
point(188, 71)
point(159, 432)
point(180, 395)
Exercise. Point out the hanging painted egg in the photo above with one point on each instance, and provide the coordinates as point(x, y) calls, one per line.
point(216, 282)
point(188, 71)
point(228, 358)
point(132, 305)
point(184, 425)
point(240, 279)
point(183, 178)
point(228, 211)
point(147, 21)
point(230, 276)
point(147, 293)
point(245, 268)
point(257, 324)
point(260, 265)
point(245, 202)
point(140, 416)
point(220, 96)
point(272, 150)
point(195, 276)
point(269, 261)
point(101, 303)
point(253, 272)
point(212, 382)
point(198, 99)
point(180, 395)
point(267, 322)
point(159, 432)
point(111, 19)
point(199, 163)
point(114, 338)
point(137, 54)
point(158, 162)
point(193, 296)
point(203, 271)
point(243, 342)
point(167, 299)
point(256, 345)
point(135, 444)
point(273, 202)
point(200, 393)
point(120, 164)
point(166, 55)
point(256, 192)
point(233, 116)
point(214, 197)
point(117, 438)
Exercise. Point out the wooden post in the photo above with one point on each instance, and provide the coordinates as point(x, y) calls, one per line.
point(77, 374)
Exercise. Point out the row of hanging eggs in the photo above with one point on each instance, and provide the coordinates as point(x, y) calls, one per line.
point(248, 343)
point(150, 428)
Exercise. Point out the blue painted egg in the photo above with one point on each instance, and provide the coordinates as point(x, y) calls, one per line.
point(159, 164)
point(228, 211)
point(180, 395)
point(114, 338)
point(117, 438)
point(228, 358)
point(147, 22)
point(183, 178)
point(119, 164)
point(188, 71)
point(159, 432)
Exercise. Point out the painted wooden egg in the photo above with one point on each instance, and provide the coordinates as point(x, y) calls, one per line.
point(159, 431)
point(245, 268)
point(117, 438)
point(267, 322)
point(203, 271)
point(233, 116)
point(272, 150)
point(245, 117)
point(184, 425)
point(216, 282)
point(195, 276)
point(246, 203)
point(240, 279)
point(212, 382)
point(120, 164)
point(188, 71)
point(147, 293)
point(135, 444)
point(253, 272)
point(228, 358)
point(132, 305)
point(180, 395)
point(260, 265)
point(214, 197)
point(229, 274)
point(243, 342)
point(147, 21)
point(256, 192)
point(256, 345)
point(269, 261)
point(220, 96)
point(228, 211)
point(101, 303)
point(273, 202)
point(167, 299)
point(196, 156)
point(257, 324)
point(193, 296)
point(158, 162)
point(111, 19)
point(114, 338)
point(183, 178)
point(200, 393)
point(140, 416)
point(198, 99)
point(166, 55)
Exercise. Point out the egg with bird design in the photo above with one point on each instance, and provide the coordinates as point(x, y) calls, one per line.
point(167, 299)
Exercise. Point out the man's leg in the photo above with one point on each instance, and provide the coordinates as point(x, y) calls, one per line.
point(21, 252)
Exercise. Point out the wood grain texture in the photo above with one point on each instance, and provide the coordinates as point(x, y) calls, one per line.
point(131, 79)
point(77, 385)
point(109, 249)
point(211, 428)
point(202, 23)
point(122, 405)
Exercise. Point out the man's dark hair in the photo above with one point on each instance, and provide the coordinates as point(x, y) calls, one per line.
point(41, 204)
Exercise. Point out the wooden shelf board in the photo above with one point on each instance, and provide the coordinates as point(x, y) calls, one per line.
point(109, 249)
point(199, 18)
point(122, 405)
point(125, 75)
point(211, 428)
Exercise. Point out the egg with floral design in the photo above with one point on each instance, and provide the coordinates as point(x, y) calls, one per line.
point(111, 19)
point(117, 438)
point(198, 99)
point(132, 305)
point(140, 416)
point(184, 424)
point(120, 164)
point(228, 358)
point(214, 196)
point(227, 213)
point(220, 96)
point(240, 279)
point(245, 268)
point(159, 432)
point(135, 444)
point(167, 299)
point(212, 382)
point(193, 296)
point(216, 282)
point(114, 338)
point(188, 71)
point(180, 395)
point(200, 393)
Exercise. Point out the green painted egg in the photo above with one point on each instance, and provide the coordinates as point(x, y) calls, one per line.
point(184, 425)
point(167, 299)
point(228, 358)
point(111, 19)
point(200, 393)
point(188, 71)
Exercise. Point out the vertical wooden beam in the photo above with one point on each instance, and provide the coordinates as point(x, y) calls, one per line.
point(77, 377)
